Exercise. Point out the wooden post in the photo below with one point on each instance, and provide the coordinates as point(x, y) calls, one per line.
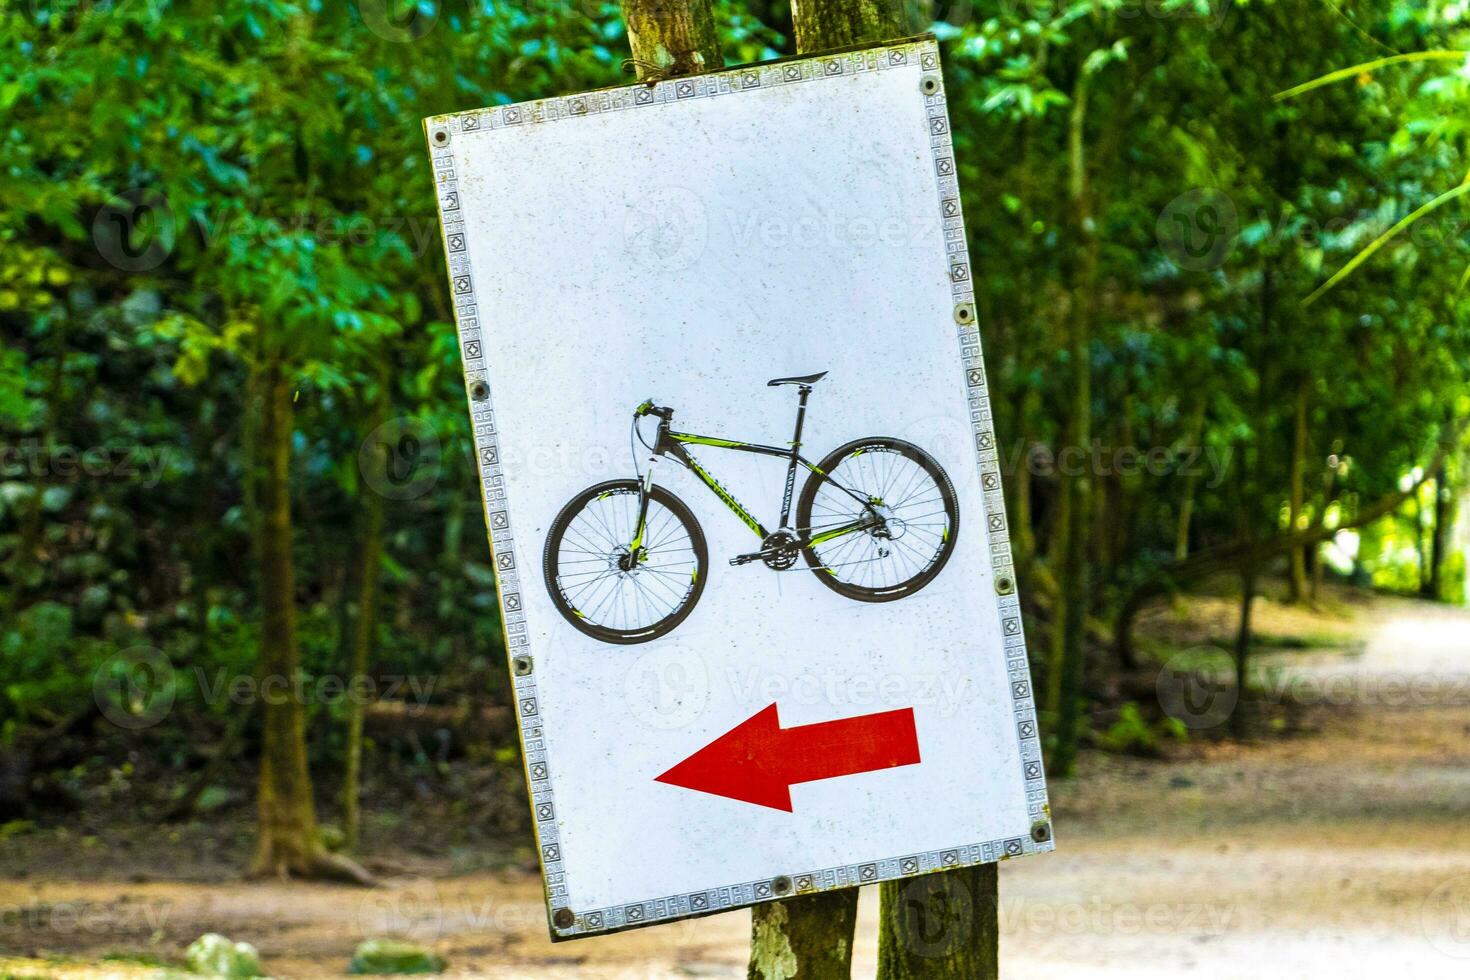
point(938, 926)
point(825, 24)
point(810, 938)
point(941, 927)
point(672, 37)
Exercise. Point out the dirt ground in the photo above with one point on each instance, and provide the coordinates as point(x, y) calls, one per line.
point(1340, 848)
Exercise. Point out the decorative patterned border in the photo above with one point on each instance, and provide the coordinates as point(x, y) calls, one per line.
point(441, 131)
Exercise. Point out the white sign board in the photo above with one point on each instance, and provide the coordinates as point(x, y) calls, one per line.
point(740, 674)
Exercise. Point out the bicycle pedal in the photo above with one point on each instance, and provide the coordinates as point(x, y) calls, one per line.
point(746, 559)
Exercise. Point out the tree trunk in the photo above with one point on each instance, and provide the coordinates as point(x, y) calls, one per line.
point(1433, 585)
point(1070, 625)
point(1018, 482)
point(287, 814)
point(1318, 572)
point(1460, 528)
point(1226, 556)
point(1297, 559)
point(1421, 551)
point(825, 24)
point(1239, 720)
point(369, 560)
point(1191, 482)
point(1124, 499)
point(1314, 548)
point(806, 938)
point(287, 841)
point(941, 926)
point(672, 37)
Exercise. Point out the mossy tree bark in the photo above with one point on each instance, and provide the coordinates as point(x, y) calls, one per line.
point(805, 938)
point(287, 814)
point(287, 842)
point(672, 37)
point(1297, 560)
point(1193, 444)
point(822, 25)
point(810, 937)
point(1433, 585)
point(941, 927)
point(369, 559)
point(1240, 722)
point(1018, 485)
point(1064, 692)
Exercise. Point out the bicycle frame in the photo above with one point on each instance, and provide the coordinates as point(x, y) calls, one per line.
point(671, 443)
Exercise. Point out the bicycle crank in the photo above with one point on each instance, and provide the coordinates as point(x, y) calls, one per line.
point(779, 551)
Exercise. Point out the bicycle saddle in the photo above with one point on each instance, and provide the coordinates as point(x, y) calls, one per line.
point(806, 379)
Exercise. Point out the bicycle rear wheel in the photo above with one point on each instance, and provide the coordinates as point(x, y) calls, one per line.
point(920, 514)
point(595, 583)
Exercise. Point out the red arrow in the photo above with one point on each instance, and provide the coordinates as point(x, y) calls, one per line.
point(757, 761)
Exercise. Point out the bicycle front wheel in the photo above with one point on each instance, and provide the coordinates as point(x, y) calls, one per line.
point(908, 504)
point(597, 583)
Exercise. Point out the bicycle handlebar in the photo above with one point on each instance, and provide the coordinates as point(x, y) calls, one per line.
point(649, 408)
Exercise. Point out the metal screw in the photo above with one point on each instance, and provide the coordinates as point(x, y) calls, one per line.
point(441, 136)
point(522, 666)
point(479, 391)
point(1004, 585)
point(964, 313)
point(1041, 833)
point(781, 885)
point(563, 918)
point(929, 85)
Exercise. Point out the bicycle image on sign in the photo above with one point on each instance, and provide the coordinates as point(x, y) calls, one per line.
point(626, 561)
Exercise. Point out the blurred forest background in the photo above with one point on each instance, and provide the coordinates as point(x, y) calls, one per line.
point(233, 439)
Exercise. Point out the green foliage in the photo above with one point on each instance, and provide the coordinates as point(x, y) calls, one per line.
point(390, 956)
point(190, 187)
point(41, 669)
point(212, 955)
point(1132, 734)
point(1454, 578)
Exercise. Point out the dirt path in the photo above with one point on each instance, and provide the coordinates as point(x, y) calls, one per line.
point(1342, 853)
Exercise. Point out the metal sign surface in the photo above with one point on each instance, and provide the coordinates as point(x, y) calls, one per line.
point(742, 487)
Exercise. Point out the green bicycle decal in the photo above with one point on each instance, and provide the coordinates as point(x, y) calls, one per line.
point(626, 561)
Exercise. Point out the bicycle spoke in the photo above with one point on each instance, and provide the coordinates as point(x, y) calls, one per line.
point(601, 579)
point(913, 533)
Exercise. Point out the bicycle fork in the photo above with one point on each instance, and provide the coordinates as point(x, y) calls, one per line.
point(637, 548)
